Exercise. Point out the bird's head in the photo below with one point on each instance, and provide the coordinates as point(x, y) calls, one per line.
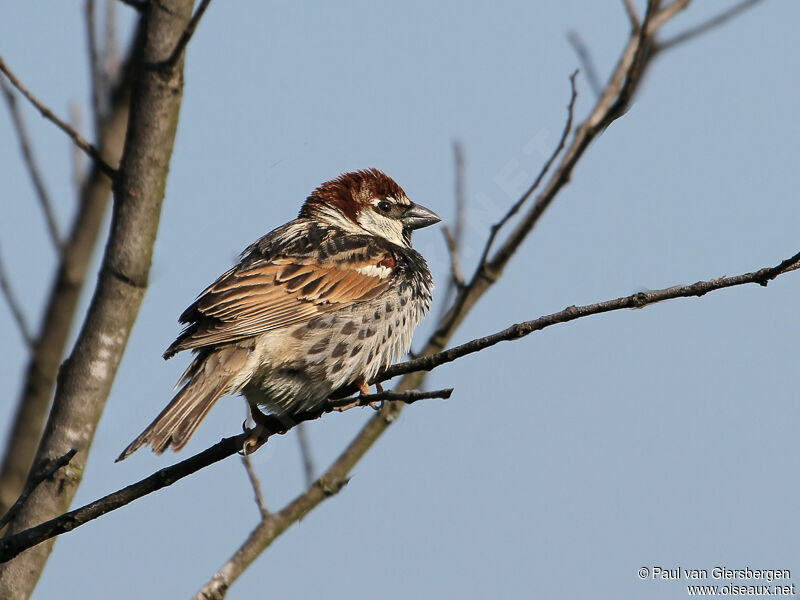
point(368, 201)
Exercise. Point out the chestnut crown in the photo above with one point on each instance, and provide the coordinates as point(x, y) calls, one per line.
point(368, 201)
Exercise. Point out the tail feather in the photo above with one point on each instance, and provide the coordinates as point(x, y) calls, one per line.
point(178, 421)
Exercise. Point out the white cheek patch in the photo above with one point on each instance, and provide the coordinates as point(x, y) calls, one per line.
point(379, 271)
point(390, 229)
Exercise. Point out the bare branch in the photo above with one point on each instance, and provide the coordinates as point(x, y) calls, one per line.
point(16, 309)
point(610, 106)
point(335, 477)
point(77, 139)
point(60, 306)
point(453, 238)
point(45, 472)
point(13, 545)
point(532, 188)
point(659, 17)
point(705, 26)
point(78, 175)
point(456, 276)
point(587, 63)
point(110, 58)
point(86, 376)
point(94, 65)
point(426, 363)
point(632, 15)
point(256, 485)
point(177, 52)
point(32, 166)
point(305, 453)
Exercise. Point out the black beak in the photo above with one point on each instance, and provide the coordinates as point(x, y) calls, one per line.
point(417, 217)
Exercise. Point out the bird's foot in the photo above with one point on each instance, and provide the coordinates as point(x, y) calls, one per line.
point(363, 389)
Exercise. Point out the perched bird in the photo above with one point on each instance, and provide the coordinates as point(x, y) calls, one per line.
point(325, 301)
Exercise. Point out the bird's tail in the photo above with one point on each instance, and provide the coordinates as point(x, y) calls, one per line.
point(204, 383)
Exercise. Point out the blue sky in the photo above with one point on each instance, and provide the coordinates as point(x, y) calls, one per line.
point(563, 462)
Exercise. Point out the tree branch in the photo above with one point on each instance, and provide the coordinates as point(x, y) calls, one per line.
point(331, 482)
point(15, 308)
point(705, 26)
point(335, 477)
point(585, 57)
point(177, 52)
point(610, 106)
point(12, 545)
point(33, 167)
point(67, 283)
point(305, 454)
point(632, 16)
point(85, 379)
point(256, 485)
point(76, 137)
point(36, 478)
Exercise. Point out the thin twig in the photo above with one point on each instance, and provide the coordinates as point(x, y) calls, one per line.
point(77, 139)
point(587, 63)
point(453, 238)
point(460, 193)
point(16, 309)
point(110, 58)
point(305, 453)
point(78, 173)
point(177, 52)
point(456, 275)
point(256, 484)
point(495, 229)
point(705, 26)
point(95, 67)
point(45, 472)
point(426, 363)
point(632, 15)
point(32, 166)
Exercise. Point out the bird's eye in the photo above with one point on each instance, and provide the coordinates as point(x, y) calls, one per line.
point(384, 206)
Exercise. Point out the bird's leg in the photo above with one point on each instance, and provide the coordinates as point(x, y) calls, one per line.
point(252, 439)
point(379, 404)
point(363, 389)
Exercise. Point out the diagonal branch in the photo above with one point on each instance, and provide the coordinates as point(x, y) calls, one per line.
point(15, 308)
point(705, 26)
point(177, 52)
point(335, 477)
point(256, 485)
point(76, 137)
point(577, 43)
point(638, 300)
point(33, 167)
point(43, 473)
point(13, 545)
point(612, 104)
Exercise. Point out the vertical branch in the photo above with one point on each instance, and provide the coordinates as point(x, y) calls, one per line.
point(67, 283)
point(86, 377)
point(305, 453)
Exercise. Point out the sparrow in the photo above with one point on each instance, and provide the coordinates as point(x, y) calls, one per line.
point(325, 301)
